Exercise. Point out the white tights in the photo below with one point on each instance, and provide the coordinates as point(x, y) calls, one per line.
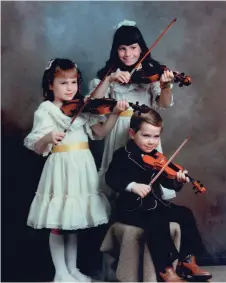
point(64, 256)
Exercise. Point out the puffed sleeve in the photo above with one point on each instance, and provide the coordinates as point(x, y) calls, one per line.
point(93, 119)
point(93, 84)
point(42, 125)
point(155, 89)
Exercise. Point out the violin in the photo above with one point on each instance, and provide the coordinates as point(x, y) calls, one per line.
point(100, 106)
point(157, 160)
point(140, 76)
point(148, 78)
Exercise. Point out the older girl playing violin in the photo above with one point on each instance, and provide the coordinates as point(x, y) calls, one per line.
point(127, 48)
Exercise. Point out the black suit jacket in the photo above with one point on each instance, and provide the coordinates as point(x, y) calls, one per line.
point(127, 166)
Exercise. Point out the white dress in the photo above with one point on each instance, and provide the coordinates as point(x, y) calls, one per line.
point(118, 137)
point(68, 195)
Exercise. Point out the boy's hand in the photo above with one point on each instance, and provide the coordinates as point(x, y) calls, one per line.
point(121, 106)
point(181, 176)
point(141, 189)
point(54, 137)
point(120, 76)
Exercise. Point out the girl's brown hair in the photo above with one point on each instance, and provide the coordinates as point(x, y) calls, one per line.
point(56, 67)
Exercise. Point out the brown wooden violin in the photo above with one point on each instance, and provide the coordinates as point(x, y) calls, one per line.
point(98, 106)
point(157, 160)
point(147, 78)
point(141, 76)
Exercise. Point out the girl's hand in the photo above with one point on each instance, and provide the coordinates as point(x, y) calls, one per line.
point(166, 78)
point(181, 176)
point(121, 106)
point(55, 137)
point(120, 76)
point(141, 189)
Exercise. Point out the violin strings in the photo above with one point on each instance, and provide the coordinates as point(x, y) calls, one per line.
point(171, 158)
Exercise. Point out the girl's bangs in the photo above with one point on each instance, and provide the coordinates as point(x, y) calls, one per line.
point(127, 36)
point(127, 40)
point(70, 73)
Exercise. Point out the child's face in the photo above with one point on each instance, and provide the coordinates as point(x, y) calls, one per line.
point(64, 86)
point(147, 138)
point(129, 54)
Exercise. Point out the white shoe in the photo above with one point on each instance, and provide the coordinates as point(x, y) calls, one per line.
point(80, 276)
point(64, 278)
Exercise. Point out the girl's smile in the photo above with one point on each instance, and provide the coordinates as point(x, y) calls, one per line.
point(129, 54)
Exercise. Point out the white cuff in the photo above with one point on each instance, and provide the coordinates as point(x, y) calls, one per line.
point(130, 186)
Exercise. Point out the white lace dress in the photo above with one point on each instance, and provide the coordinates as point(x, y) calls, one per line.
point(118, 137)
point(68, 195)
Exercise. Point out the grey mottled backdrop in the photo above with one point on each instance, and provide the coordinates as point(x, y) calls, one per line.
point(34, 32)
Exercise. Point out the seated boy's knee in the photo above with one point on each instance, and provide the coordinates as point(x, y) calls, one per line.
point(174, 226)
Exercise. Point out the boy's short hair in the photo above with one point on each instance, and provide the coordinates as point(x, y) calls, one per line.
point(152, 117)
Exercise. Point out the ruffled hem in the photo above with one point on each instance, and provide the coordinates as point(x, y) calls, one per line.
point(60, 227)
point(68, 212)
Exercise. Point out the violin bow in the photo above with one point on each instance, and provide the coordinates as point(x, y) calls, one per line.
point(153, 45)
point(87, 101)
point(171, 158)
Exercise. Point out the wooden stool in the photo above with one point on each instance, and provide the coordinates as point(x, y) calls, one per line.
point(126, 255)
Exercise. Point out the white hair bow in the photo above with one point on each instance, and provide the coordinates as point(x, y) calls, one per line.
point(125, 23)
point(49, 64)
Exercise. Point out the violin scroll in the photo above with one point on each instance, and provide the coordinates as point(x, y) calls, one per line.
point(179, 77)
point(184, 80)
point(140, 108)
point(199, 188)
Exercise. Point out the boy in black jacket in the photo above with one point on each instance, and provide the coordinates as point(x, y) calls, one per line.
point(140, 205)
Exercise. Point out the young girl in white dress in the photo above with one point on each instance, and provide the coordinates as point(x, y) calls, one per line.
point(68, 196)
point(127, 48)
